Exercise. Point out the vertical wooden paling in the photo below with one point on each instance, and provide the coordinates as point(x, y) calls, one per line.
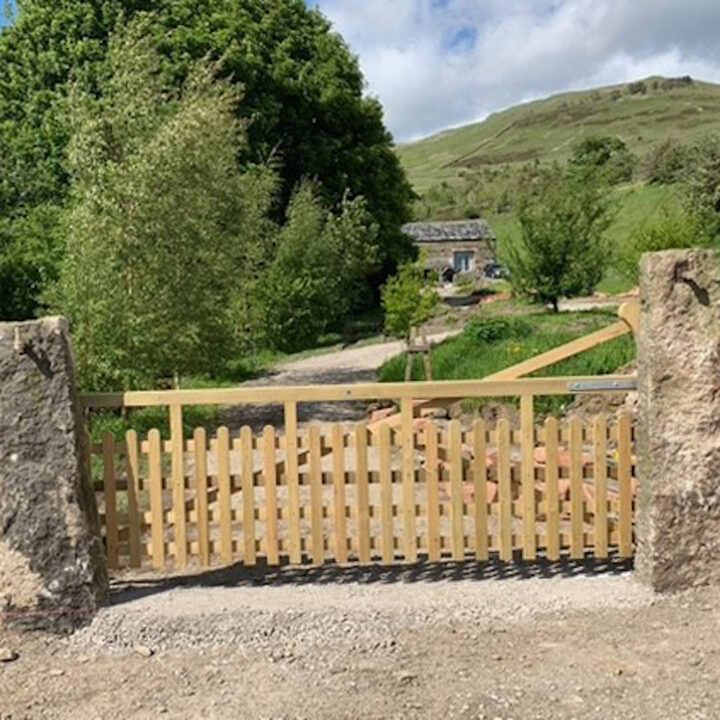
point(271, 504)
point(178, 484)
point(625, 483)
point(432, 464)
point(386, 495)
point(600, 471)
point(577, 491)
point(201, 495)
point(407, 440)
point(527, 449)
point(248, 496)
point(363, 492)
point(225, 495)
point(479, 465)
point(316, 496)
point(338, 454)
point(132, 459)
point(505, 491)
point(293, 481)
point(110, 486)
point(551, 489)
point(456, 490)
point(157, 513)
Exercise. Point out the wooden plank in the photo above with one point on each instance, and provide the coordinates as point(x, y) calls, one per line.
point(178, 484)
point(157, 528)
point(340, 505)
point(386, 496)
point(456, 490)
point(562, 352)
point(338, 393)
point(201, 495)
point(248, 496)
point(363, 493)
point(577, 491)
point(132, 459)
point(551, 489)
point(505, 518)
point(433, 491)
point(479, 470)
point(527, 448)
point(293, 481)
point(110, 486)
point(224, 495)
point(271, 502)
point(600, 471)
point(316, 497)
point(625, 483)
point(407, 441)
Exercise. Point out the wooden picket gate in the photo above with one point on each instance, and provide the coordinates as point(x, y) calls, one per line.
point(428, 489)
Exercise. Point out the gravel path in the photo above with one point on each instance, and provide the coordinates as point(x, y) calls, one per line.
point(296, 620)
point(348, 366)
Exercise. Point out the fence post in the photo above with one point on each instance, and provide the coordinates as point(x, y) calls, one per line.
point(527, 433)
point(178, 483)
point(678, 520)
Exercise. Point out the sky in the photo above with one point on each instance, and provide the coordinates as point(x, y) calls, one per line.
point(436, 64)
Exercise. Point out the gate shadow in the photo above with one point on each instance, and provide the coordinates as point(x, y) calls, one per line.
point(129, 588)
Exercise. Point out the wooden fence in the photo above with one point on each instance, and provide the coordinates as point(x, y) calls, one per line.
point(351, 494)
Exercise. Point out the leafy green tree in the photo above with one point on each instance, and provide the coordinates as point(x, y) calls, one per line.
point(318, 274)
point(560, 250)
point(155, 227)
point(605, 157)
point(303, 92)
point(409, 299)
point(702, 185)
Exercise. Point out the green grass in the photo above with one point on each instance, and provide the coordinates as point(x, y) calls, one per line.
point(548, 129)
point(470, 356)
point(466, 358)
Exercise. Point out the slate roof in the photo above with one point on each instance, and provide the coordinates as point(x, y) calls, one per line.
point(449, 231)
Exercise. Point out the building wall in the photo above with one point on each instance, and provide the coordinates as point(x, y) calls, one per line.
point(441, 254)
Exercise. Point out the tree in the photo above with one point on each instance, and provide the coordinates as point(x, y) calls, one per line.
point(409, 299)
point(317, 276)
point(606, 158)
point(155, 226)
point(303, 92)
point(561, 249)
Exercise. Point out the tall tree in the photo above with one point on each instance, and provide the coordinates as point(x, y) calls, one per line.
point(303, 91)
point(157, 225)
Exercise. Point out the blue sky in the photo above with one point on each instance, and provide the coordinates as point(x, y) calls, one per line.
point(436, 64)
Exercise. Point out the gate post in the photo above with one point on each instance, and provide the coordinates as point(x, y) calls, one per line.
point(678, 513)
point(52, 565)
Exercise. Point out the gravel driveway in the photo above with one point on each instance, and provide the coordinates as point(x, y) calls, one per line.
point(348, 366)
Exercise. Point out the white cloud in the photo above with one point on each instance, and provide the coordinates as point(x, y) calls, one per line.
point(523, 49)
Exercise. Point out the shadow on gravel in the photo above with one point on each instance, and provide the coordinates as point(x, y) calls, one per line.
point(126, 589)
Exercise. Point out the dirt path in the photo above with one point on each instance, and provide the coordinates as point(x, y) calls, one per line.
point(379, 644)
point(348, 366)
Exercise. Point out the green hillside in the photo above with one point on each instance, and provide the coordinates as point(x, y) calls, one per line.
point(642, 114)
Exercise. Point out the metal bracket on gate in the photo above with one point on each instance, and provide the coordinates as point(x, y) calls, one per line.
point(598, 386)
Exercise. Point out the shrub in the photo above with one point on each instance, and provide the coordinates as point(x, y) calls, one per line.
point(493, 329)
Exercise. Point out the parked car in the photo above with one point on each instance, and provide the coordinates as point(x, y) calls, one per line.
point(495, 271)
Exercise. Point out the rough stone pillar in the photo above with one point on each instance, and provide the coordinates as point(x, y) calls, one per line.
point(52, 567)
point(678, 516)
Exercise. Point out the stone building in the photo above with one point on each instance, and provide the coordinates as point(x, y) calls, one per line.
point(462, 247)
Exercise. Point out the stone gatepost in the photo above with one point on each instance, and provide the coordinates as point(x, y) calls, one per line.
point(678, 515)
point(52, 567)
